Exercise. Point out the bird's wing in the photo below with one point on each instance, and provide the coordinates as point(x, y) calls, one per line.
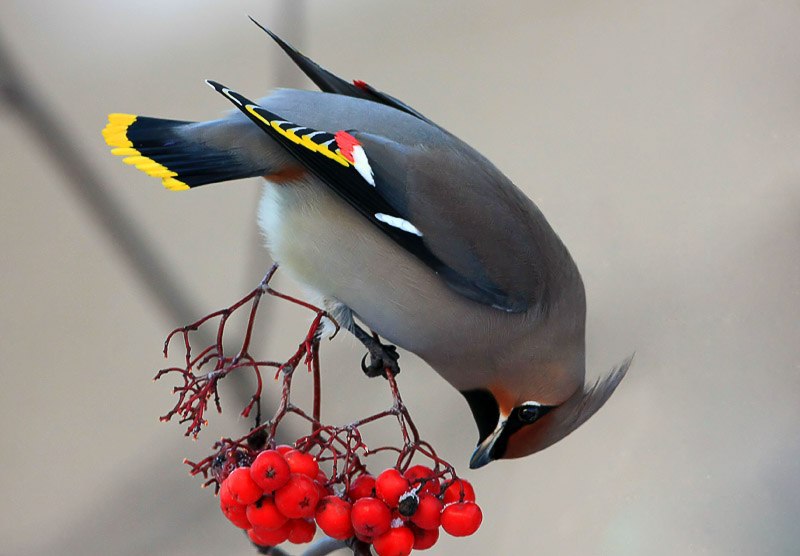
point(331, 83)
point(376, 177)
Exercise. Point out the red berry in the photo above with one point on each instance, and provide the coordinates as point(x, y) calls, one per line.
point(390, 486)
point(301, 531)
point(236, 514)
point(361, 487)
point(429, 513)
point(320, 482)
point(333, 517)
point(270, 471)
point(322, 491)
point(398, 541)
point(283, 448)
point(269, 537)
point(298, 497)
point(225, 497)
point(422, 475)
point(370, 517)
point(424, 538)
point(364, 538)
point(302, 462)
point(454, 492)
point(461, 519)
point(264, 514)
point(243, 489)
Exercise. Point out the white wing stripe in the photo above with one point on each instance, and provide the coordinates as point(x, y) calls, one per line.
point(398, 223)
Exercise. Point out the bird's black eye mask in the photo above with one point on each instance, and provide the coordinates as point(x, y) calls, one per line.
point(486, 412)
point(521, 416)
point(528, 413)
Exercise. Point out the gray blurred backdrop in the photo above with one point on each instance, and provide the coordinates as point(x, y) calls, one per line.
point(662, 141)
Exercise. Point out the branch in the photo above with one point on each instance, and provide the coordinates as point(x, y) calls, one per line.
point(325, 546)
point(86, 184)
point(322, 547)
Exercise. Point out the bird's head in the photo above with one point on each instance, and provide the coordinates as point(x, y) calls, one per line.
point(513, 423)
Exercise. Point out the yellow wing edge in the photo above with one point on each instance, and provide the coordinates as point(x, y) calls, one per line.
point(302, 140)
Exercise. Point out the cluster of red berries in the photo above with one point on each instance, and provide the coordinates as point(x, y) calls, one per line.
point(284, 496)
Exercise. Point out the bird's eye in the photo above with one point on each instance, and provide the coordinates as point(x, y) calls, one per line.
point(529, 413)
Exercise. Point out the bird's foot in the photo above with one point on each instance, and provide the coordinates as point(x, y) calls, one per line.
point(382, 358)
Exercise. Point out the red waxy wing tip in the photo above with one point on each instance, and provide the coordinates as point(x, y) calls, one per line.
point(346, 143)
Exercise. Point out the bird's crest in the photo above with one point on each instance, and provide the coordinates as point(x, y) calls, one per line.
point(595, 396)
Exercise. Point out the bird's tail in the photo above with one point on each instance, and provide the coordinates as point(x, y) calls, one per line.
point(182, 154)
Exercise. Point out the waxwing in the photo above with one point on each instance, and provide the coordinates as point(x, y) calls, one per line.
point(401, 226)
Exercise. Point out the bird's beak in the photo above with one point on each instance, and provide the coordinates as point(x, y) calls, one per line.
point(483, 453)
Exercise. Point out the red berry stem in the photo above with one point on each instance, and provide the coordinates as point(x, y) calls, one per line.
point(317, 409)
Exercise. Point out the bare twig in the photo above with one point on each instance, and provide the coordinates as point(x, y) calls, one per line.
point(271, 550)
point(324, 546)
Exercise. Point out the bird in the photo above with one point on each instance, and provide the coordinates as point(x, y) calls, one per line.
point(399, 225)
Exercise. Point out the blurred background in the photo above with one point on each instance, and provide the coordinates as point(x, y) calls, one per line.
point(661, 139)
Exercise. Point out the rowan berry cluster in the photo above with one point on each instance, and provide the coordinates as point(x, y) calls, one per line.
point(280, 493)
point(284, 496)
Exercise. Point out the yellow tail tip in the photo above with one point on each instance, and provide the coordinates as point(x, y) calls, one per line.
point(116, 135)
point(174, 185)
point(116, 130)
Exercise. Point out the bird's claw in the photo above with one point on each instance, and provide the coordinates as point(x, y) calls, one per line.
point(382, 357)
